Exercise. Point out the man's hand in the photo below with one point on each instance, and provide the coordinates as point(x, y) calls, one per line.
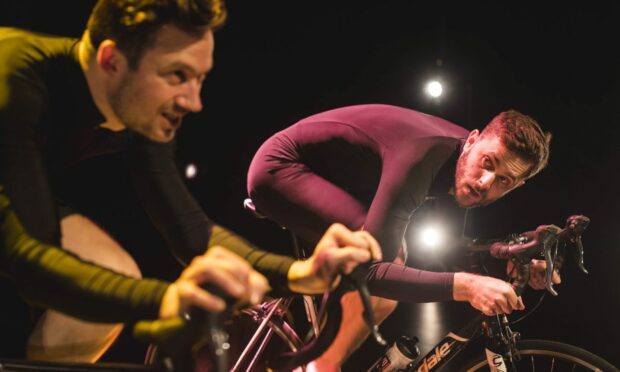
point(220, 268)
point(340, 250)
point(538, 274)
point(489, 295)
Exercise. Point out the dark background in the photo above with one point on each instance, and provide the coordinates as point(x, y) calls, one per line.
point(277, 62)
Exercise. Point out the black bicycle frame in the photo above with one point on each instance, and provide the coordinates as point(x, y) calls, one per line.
point(449, 347)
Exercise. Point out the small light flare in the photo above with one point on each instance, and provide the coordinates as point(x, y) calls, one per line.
point(191, 171)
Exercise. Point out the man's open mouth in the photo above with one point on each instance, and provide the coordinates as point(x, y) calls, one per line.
point(472, 191)
point(173, 120)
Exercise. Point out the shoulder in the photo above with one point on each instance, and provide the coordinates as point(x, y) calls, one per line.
point(390, 121)
point(21, 49)
point(25, 58)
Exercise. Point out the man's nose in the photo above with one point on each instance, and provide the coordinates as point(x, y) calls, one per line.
point(191, 100)
point(486, 180)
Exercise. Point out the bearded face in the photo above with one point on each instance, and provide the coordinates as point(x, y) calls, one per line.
point(486, 171)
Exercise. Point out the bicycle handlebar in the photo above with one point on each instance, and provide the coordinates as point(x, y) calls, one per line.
point(548, 241)
point(354, 281)
point(177, 336)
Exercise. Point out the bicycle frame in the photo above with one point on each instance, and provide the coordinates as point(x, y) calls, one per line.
point(450, 346)
point(455, 342)
point(500, 340)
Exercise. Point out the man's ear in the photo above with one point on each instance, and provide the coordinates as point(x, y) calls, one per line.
point(111, 60)
point(471, 139)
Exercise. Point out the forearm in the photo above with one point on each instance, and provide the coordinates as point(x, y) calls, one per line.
point(407, 284)
point(51, 277)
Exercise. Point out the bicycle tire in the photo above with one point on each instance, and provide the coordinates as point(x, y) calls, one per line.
point(544, 355)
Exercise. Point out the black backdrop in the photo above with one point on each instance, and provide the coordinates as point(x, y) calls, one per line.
point(277, 62)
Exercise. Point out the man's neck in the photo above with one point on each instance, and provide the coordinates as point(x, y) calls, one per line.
point(87, 56)
point(443, 183)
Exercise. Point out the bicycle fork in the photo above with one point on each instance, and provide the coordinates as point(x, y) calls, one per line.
point(501, 346)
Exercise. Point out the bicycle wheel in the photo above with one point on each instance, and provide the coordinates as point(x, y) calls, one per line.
point(543, 355)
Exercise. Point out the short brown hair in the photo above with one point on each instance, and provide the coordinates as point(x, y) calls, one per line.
point(132, 24)
point(522, 135)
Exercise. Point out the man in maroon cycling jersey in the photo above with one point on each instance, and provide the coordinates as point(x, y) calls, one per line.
point(370, 167)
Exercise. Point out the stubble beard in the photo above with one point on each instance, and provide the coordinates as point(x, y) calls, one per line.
point(123, 103)
point(459, 175)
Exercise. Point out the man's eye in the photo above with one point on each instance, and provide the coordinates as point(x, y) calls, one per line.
point(486, 161)
point(179, 77)
point(503, 180)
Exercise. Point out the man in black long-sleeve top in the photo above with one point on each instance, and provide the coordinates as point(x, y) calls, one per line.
point(125, 86)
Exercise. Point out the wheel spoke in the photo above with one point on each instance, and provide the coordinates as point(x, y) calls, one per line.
point(550, 357)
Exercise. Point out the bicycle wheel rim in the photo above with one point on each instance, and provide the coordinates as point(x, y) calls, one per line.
point(543, 355)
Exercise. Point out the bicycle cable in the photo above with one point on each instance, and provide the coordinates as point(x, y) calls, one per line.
point(540, 299)
point(509, 276)
point(530, 311)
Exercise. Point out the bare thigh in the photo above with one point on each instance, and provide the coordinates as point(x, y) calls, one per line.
point(59, 337)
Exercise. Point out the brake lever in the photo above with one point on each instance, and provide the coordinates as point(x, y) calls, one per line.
point(577, 225)
point(357, 280)
point(287, 361)
point(554, 252)
point(550, 260)
point(550, 252)
point(579, 255)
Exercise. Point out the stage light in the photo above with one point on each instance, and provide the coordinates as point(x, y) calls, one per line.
point(191, 171)
point(434, 88)
point(430, 236)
